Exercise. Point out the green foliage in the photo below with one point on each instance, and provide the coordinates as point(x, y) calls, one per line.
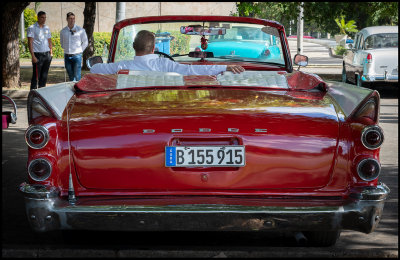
point(99, 40)
point(346, 27)
point(58, 52)
point(29, 17)
point(320, 16)
point(248, 9)
point(340, 50)
point(180, 43)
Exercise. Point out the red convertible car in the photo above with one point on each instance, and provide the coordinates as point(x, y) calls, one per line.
point(270, 149)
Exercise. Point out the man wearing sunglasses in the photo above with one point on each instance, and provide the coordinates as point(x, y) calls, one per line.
point(74, 41)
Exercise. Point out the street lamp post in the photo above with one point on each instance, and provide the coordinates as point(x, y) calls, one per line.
point(120, 14)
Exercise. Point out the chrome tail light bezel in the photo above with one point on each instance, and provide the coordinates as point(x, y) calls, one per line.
point(360, 173)
point(43, 130)
point(369, 129)
point(33, 175)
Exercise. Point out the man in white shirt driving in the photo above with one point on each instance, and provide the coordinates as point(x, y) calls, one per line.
point(74, 41)
point(146, 60)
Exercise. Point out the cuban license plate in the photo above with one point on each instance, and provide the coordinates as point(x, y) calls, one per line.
point(209, 156)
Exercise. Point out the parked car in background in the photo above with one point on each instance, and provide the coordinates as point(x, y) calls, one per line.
point(271, 148)
point(373, 58)
point(245, 42)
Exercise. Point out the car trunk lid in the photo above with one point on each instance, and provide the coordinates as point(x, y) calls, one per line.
point(118, 138)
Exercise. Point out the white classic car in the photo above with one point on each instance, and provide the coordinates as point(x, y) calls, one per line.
point(373, 57)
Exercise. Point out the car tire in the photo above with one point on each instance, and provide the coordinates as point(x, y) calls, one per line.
point(344, 76)
point(322, 238)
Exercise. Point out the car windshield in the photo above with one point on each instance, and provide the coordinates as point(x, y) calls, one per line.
point(225, 41)
point(382, 40)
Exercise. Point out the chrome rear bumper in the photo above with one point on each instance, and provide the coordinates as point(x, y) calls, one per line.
point(380, 78)
point(47, 211)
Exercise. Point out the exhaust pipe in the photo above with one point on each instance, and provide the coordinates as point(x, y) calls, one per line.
point(300, 238)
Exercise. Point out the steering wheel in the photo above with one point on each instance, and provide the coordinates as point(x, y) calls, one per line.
point(164, 54)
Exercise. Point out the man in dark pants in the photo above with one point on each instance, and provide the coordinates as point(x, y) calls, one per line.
point(40, 47)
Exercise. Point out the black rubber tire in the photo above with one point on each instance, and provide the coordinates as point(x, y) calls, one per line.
point(322, 238)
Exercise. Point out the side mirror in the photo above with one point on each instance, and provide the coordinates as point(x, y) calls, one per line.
point(350, 46)
point(93, 60)
point(300, 60)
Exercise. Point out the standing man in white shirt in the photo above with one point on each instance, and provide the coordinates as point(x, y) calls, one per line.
point(41, 49)
point(145, 59)
point(74, 41)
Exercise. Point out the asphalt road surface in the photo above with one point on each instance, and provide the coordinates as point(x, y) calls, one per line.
point(19, 241)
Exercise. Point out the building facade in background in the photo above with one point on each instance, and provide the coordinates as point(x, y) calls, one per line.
point(56, 12)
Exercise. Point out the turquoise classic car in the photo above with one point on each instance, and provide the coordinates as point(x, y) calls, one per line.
point(244, 42)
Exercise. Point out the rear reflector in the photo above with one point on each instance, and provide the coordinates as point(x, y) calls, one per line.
point(368, 169)
point(39, 169)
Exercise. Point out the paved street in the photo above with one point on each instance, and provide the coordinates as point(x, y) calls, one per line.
point(19, 241)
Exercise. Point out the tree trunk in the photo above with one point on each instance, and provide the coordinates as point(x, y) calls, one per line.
point(88, 24)
point(11, 14)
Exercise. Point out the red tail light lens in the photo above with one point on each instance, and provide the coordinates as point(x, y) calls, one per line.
point(39, 169)
point(369, 58)
point(368, 169)
point(37, 136)
point(372, 137)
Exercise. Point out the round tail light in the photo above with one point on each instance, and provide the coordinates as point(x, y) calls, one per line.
point(368, 169)
point(372, 137)
point(39, 169)
point(37, 136)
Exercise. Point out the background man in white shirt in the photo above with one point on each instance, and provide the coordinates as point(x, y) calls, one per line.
point(41, 49)
point(74, 41)
point(145, 59)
